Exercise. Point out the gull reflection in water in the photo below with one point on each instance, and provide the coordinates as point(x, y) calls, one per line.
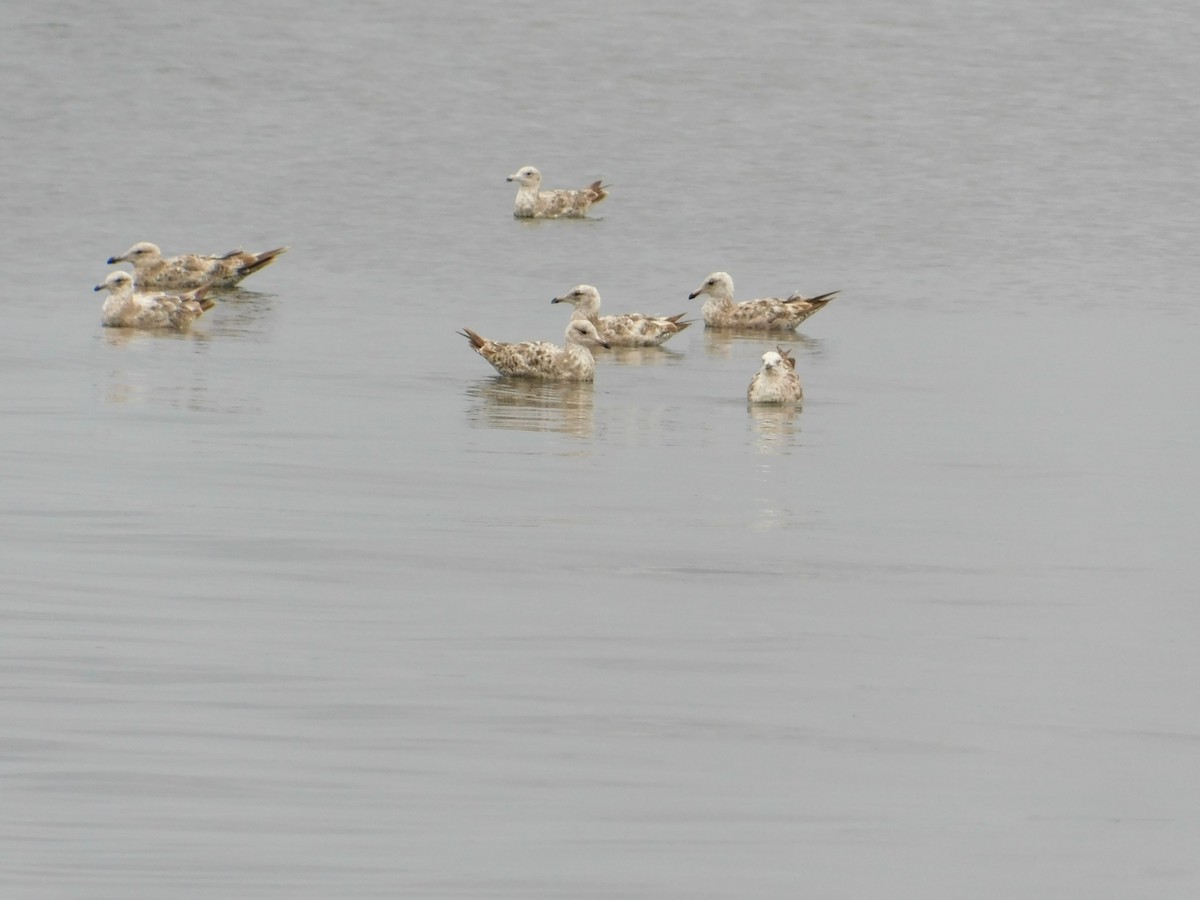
point(243, 315)
point(144, 374)
point(775, 425)
point(124, 337)
point(719, 342)
point(638, 356)
point(532, 404)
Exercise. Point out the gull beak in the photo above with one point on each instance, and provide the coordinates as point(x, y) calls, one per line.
point(693, 295)
point(553, 299)
point(98, 287)
point(113, 260)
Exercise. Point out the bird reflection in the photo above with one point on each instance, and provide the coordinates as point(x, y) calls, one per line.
point(242, 314)
point(525, 404)
point(122, 337)
point(775, 427)
point(145, 373)
point(719, 342)
point(639, 356)
point(537, 222)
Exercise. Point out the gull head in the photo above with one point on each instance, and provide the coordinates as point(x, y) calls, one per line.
point(771, 361)
point(527, 177)
point(715, 285)
point(584, 333)
point(139, 251)
point(115, 283)
point(584, 297)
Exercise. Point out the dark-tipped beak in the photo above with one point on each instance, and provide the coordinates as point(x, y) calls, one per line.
point(693, 295)
point(113, 260)
point(98, 287)
point(556, 299)
point(606, 345)
point(509, 178)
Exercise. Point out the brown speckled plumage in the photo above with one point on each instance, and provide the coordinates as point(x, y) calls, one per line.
point(125, 308)
point(541, 359)
point(153, 271)
point(769, 314)
point(534, 203)
point(776, 381)
point(625, 329)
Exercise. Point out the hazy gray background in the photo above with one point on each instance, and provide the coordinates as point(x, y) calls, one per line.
point(307, 604)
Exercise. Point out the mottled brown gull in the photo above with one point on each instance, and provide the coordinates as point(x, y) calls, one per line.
point(151, 270)
point(770, 314)
point(534, 203)
point(776, 381)
point(626, 329)
point(124, 308)
point(541, 359)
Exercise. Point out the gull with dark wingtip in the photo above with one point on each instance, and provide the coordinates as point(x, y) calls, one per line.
point(125, 308)
point(541, 359)
point(769, 314)
point(776, 381)
point(625, 329)
point(152, 270)
point(534, 203)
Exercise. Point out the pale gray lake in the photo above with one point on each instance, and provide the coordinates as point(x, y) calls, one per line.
point(308, 603)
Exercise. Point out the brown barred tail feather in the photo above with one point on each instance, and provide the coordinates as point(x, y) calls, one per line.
point(259, 260)
point(476, 341)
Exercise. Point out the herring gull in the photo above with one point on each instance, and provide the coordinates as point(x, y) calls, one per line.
point(534, 203)
point(123, 308)
point(625, 330)
point(770, 314)
point(541, 359)
point(776, 381)
point(151, 270)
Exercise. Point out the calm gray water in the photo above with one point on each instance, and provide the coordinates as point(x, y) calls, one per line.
point(308, 604)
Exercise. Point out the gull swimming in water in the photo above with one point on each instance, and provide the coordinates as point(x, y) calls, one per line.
point(776, 381)
point(125, 309)
point(541, 359)
point(151, 270)
point(625, 330)
point(534, 203)
point(770, 314)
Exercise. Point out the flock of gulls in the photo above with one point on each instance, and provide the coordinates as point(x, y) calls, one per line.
point(149, 297)
point(172, 292)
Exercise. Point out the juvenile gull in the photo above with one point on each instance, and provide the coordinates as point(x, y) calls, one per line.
point(125, 309)
point(151, 270)
point(541, 359)
point(776, 381)
point(625, 330)
point(534, 203)
point(770, 314)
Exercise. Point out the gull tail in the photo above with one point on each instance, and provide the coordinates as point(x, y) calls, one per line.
point(259, 260)
point(674, 320)
point(199, 296)
point(817, 301)
point(476, 341)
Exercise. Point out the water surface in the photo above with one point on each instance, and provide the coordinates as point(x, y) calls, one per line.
point(307, 603)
